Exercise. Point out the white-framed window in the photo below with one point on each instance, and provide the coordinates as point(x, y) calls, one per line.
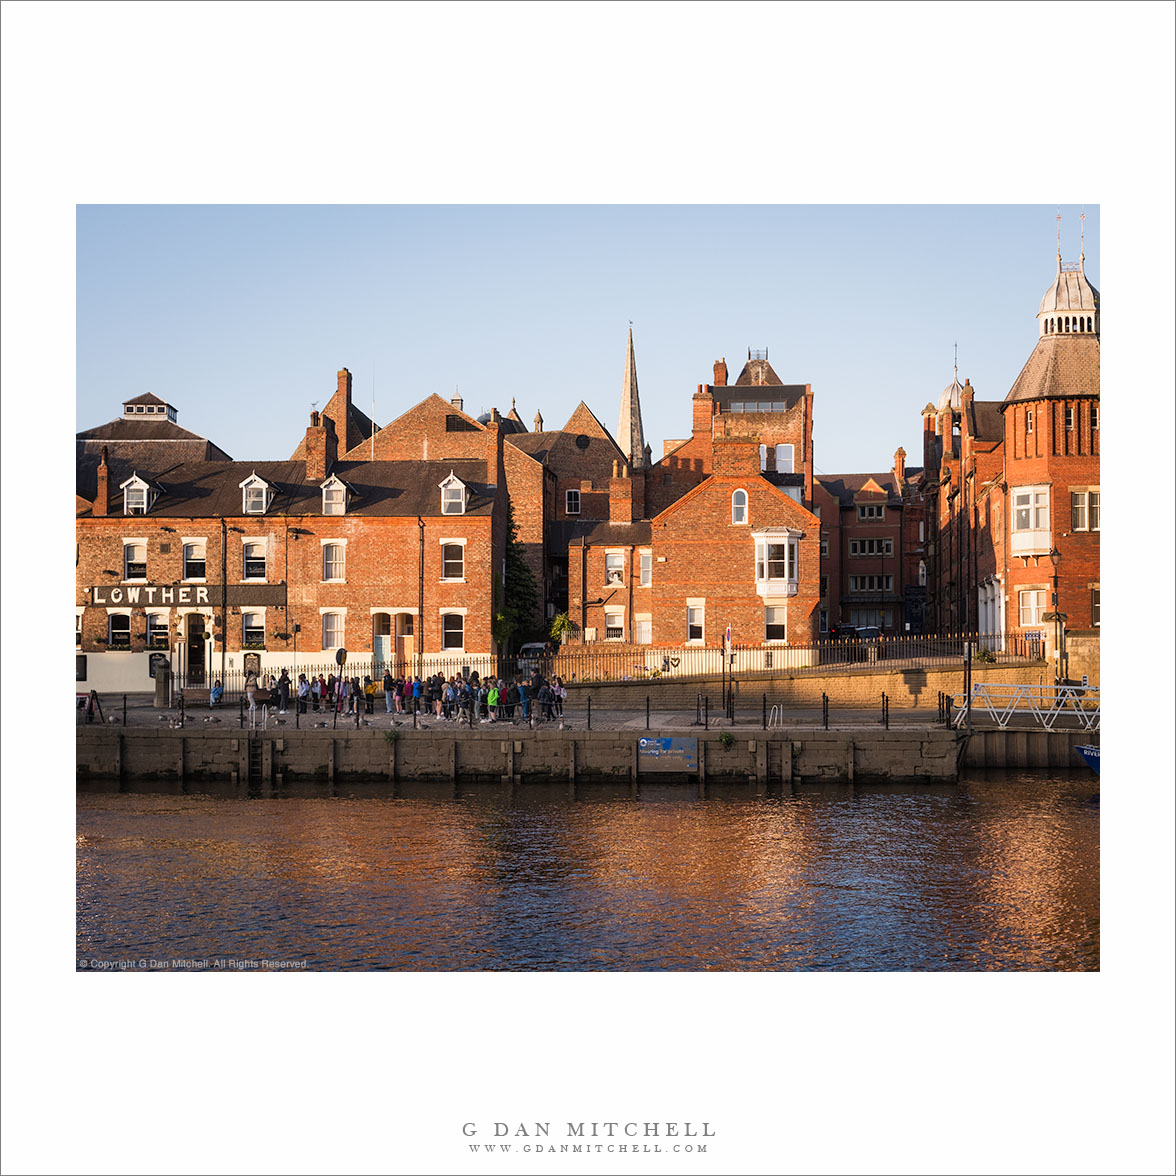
point(1094, 416)
point(256, 495)
point(776, 623)
point(134, 559)
point(453, 495)
point(643, 630)
point(866, 547)
point(253, 560)
point(696, 621)
point(1069, 420)
point(646, 569)
point(614, 567)
point(1095, 608)
point(452, 561)
point(614, 626)
point(796, 493)
point(333, 630)
point(158, 636)
point(784, 459)
point(922, 573)
point(816, 509)
point(871, 583)
point(334, 496)
point(137, 496)
point(119, 630)
point(572, 502)
point(194, 560)
point(78, 629)
point(335, 560)
point(776, 563)
point(873, 511)
point(824, 548)
point(763, 458)
point(739, 507)
point(1028, 420)
point(1031, 534)
point(1084, 510)
point(452, 631)
point(1031, 605)
point(253, 629)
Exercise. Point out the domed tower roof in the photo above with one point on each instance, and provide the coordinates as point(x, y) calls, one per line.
point(1071, 304)
point(950, 396)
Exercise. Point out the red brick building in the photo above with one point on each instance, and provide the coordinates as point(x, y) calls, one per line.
point(1016, 484)
point(206, 562)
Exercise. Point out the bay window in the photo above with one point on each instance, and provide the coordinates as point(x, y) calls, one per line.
point(1031, 534)
point(776, 563)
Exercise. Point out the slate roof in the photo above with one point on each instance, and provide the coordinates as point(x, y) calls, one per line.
point(985, 420)
point(147, 398)
point(758, 373)
point(844, 486)
point(1059, 366)
point(600, 533)
point(137, 444)
point(537, 445)
point(383, 488)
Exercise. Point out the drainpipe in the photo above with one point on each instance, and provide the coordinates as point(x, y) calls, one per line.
point(420, 627)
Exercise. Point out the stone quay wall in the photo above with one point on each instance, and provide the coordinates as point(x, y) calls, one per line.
point(267, 758)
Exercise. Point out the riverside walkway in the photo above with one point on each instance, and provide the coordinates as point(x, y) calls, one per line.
point(140, 712)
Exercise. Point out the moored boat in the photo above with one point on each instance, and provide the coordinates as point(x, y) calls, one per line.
point(1089, 753)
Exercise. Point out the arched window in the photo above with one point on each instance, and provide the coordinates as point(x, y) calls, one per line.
point(739, 507)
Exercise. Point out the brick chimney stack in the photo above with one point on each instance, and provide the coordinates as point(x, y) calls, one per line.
point(102, 499)
point(900, 466)
point(721, 372)
point(704, 410)
point(322, 447)
point(620, 494)
point(344, 385)
point(737, 457)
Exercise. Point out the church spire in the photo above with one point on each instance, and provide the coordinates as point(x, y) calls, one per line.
point(630, 436)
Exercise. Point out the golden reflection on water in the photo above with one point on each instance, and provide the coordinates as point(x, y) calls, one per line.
point(997, 873)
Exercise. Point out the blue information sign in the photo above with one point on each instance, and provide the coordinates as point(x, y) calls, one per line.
point(667, 755)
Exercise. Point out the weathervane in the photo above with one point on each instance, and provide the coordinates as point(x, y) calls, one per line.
point(1059, 234)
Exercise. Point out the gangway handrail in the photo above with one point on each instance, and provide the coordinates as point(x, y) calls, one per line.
point(1001, 700)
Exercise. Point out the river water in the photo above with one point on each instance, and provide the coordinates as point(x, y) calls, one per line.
point(998, 872)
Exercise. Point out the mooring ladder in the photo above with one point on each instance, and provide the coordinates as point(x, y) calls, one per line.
point(1045, 703)
point(255, 760)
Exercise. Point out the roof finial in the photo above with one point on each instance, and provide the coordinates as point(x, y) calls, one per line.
point(1082, 254)
point(1059, 238)
point(955, 367)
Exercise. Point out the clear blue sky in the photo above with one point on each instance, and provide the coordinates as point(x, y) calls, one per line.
point(240, 315)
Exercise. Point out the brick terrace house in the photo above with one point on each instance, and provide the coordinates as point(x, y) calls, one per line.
point(717, 533)
point(873, 541)
point(206, 561)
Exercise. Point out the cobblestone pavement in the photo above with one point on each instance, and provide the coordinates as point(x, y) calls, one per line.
point(141, 712)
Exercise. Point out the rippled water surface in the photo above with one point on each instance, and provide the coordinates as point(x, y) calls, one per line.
point(998, 872)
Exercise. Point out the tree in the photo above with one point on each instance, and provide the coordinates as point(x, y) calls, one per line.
point(515, 611)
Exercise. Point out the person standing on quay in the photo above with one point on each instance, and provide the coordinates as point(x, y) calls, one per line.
point(283, 691)
point(303, 693)
point(389, 686)
point(251, 692)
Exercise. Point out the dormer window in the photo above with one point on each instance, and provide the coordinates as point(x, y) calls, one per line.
point(453, 495)
point(257, 494)
point(138, 495)
point(334, 496)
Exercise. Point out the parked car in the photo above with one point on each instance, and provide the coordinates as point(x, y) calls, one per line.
point(532, 656)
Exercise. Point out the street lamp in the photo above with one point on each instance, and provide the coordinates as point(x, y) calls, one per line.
point(1055, 558)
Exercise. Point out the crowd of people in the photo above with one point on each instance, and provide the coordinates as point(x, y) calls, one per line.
point(486, 700)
